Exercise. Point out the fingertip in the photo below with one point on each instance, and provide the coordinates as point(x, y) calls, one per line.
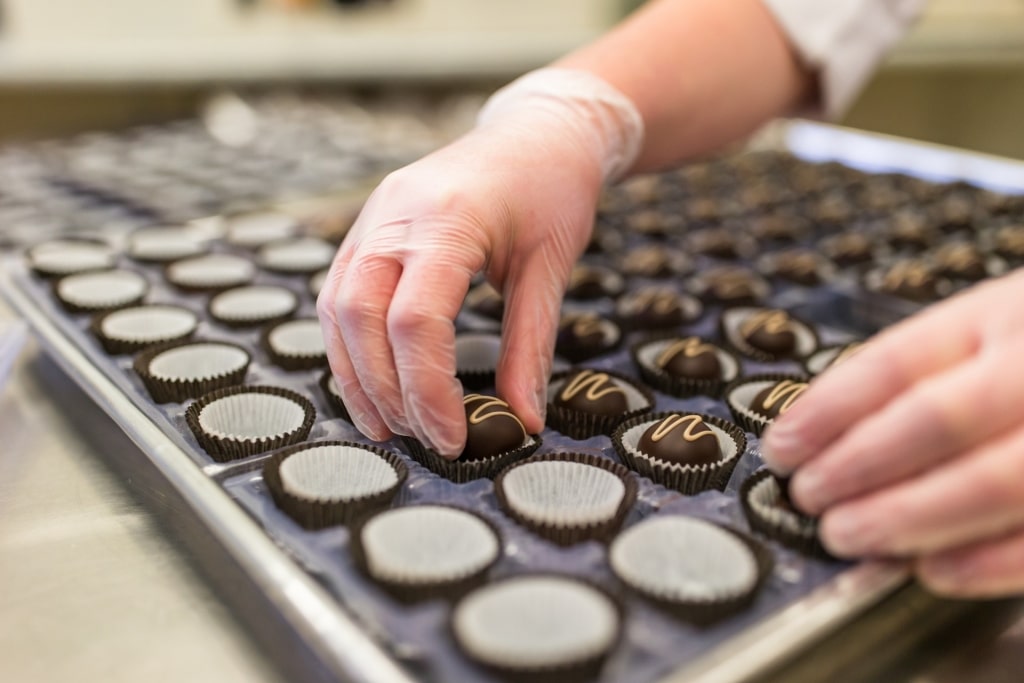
point(782, 448)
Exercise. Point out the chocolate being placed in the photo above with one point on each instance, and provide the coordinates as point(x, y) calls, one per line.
point(681, 439)
point(589, 391)
point(776, 399)
point(491, 428)
point(912, 280)
point(486, 301)
point(770, 331)
point(960, 261)
point(690, 358)
point(651, 308)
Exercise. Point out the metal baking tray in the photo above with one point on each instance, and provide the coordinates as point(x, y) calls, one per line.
point(339, 642)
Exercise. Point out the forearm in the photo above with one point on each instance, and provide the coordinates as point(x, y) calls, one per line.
point(701, 73)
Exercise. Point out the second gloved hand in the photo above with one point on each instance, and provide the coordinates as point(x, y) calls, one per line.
point(513, 198)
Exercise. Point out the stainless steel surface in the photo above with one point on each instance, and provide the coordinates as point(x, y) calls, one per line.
point(90, 588)
point(338, 642)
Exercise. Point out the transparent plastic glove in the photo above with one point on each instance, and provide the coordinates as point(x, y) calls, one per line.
point(514, 198)
point(915, 445)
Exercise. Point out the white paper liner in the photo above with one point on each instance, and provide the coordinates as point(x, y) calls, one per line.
point(144, 324)
point(764, 499)
point(64, 257)
point(631, 441)
point(254, 230)
point(648, 354)
point(298, 255)
point(635, 400)
point(211, 270)
point(535, 622)
point(298, 338)
point(563, 493)
point(427, 544)
point(102, 289)
point(200, 361)
point(678, 558)
point(164, 244)
point(742, 397)
point(254, 302)
point(732, 319)
point(317, 280)
point(336, 473)
point(251, 416)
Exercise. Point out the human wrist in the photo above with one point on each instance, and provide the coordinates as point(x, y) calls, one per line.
point(610, 124)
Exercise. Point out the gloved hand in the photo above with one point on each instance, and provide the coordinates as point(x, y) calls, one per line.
point(515, 198)
point(914, 446)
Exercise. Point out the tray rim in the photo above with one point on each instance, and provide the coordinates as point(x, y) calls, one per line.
point(341, 643)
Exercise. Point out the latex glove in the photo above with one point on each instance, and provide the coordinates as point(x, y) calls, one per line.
point(515, 198)
point(914, 446)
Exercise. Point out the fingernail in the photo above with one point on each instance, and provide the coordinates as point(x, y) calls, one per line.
point(847, 534)
point(540, 402)
point(363, 425)
point(781, 449)
point(806, 488)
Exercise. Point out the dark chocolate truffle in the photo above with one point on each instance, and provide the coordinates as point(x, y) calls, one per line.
point(960, 261)
point(587, 282)
point(647, 261)
point(681, 439)
point(777, 227)
point(1009, 242)
point(491, 428)
point(589, 391)
point(800, 266)
point(910, 230)
point(716, 242)
point(651, 308)
point(585, 335)
point(912, 280)
point(690, 358)
point(771, 331)
point(776, 399)
point(733, 285)
point(652, 223)
point(848, 248)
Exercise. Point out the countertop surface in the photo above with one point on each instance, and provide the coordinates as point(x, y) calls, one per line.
point(94, 590)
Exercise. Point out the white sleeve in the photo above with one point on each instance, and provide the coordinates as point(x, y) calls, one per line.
point(843, 40)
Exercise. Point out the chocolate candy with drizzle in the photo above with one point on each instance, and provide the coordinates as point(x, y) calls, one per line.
point(775, 400)
point(491, 428)
point(1009, 242)
point(912, 280)
point(681, 439)
point(770, 331)
point(690, 358)
point(651, 307)
point(961, 261)
point(589, 391)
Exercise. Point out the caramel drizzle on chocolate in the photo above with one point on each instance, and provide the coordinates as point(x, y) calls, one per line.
point(787, 391)
point(693, 428)
point(773, 322)
point(907, 273)
point(657, 300)
point(480, 413)
point(689, 347)
point(644, 261)
point(587, 324)
point(1011, 239)
point(596, 385)
point(482, 293)
point(959, 256)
